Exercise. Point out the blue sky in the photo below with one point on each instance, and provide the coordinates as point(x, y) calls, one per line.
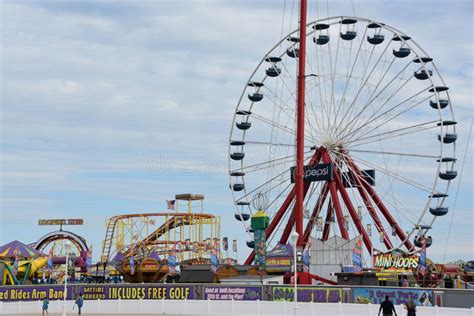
point(111, 108)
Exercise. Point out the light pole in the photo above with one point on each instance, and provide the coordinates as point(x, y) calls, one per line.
point(294, 239)
point(65, 278)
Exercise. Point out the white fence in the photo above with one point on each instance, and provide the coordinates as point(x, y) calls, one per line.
point(228, 308)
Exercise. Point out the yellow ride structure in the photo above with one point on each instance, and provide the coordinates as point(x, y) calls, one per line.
point(187, 231)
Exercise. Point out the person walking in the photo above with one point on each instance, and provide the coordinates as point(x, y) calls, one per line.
point(79, 303)
point(45, 306)
point(387, 307)
point(410, 306)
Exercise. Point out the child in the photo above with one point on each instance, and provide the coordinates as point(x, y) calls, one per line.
point(79, 303)
point(45, 306)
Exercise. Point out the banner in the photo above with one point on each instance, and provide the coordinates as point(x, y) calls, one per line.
point(317, 295)
point(423, 256)
point(307, 257)
point(357, 256)
point(225, 243)
point(95, 292)
point(237, 293)
point(319, 224)
point(260, 248)
point(132, 265)
point(214, 261)
point(396, 295)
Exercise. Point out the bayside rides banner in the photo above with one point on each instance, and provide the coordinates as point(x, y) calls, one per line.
point(31, 293)
point(102, 292)
point(236, 293)
point(397, 296)
point(307, 294)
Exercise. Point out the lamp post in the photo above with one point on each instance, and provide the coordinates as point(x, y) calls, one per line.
point(68, 246)
point(294, 239)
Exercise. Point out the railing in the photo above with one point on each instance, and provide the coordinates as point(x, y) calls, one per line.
point(228, 308)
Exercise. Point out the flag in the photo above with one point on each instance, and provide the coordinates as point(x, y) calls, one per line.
point(15, 262)
point(346, 222)
point(357, 256)
point(306, 257)
point(50, 258)
point(170, 204)
point(423, 256)
point(225, 243)
point(132, 265)
point(217, 244)
point(213, 261)
point(369, 229)
point(319, 224)
point(89, 259)
point(234, 245)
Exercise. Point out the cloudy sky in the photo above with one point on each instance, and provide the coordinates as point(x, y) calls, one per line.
point(113, 107)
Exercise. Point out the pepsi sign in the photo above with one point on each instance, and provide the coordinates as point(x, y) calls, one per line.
point(321, 172)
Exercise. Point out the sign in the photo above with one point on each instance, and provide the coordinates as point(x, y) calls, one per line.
point(307, 294)
point(71, 221)
point(396, 261)
point(94, 292)
point(397, 296)
point(349, 182)
point(280, 258)
point(236, 293)
point(321, 172)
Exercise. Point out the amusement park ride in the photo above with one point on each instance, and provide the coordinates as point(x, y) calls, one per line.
point(140, 245)
point(372, 103)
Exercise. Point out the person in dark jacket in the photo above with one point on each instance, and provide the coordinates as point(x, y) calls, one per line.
point(387, 307)
point(410, 306)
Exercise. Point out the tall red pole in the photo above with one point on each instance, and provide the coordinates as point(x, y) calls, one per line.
point(300, 125)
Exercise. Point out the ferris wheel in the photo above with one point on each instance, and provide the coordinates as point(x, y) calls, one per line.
point(379, 136)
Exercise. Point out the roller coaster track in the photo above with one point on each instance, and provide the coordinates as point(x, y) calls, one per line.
point(175, 220)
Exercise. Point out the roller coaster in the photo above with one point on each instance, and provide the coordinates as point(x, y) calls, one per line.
point(186, 230)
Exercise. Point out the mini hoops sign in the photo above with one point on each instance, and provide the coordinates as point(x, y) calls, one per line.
point(396, 260)
point(321, 172)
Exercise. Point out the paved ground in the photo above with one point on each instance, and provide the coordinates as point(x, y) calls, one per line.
point(87, 314)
